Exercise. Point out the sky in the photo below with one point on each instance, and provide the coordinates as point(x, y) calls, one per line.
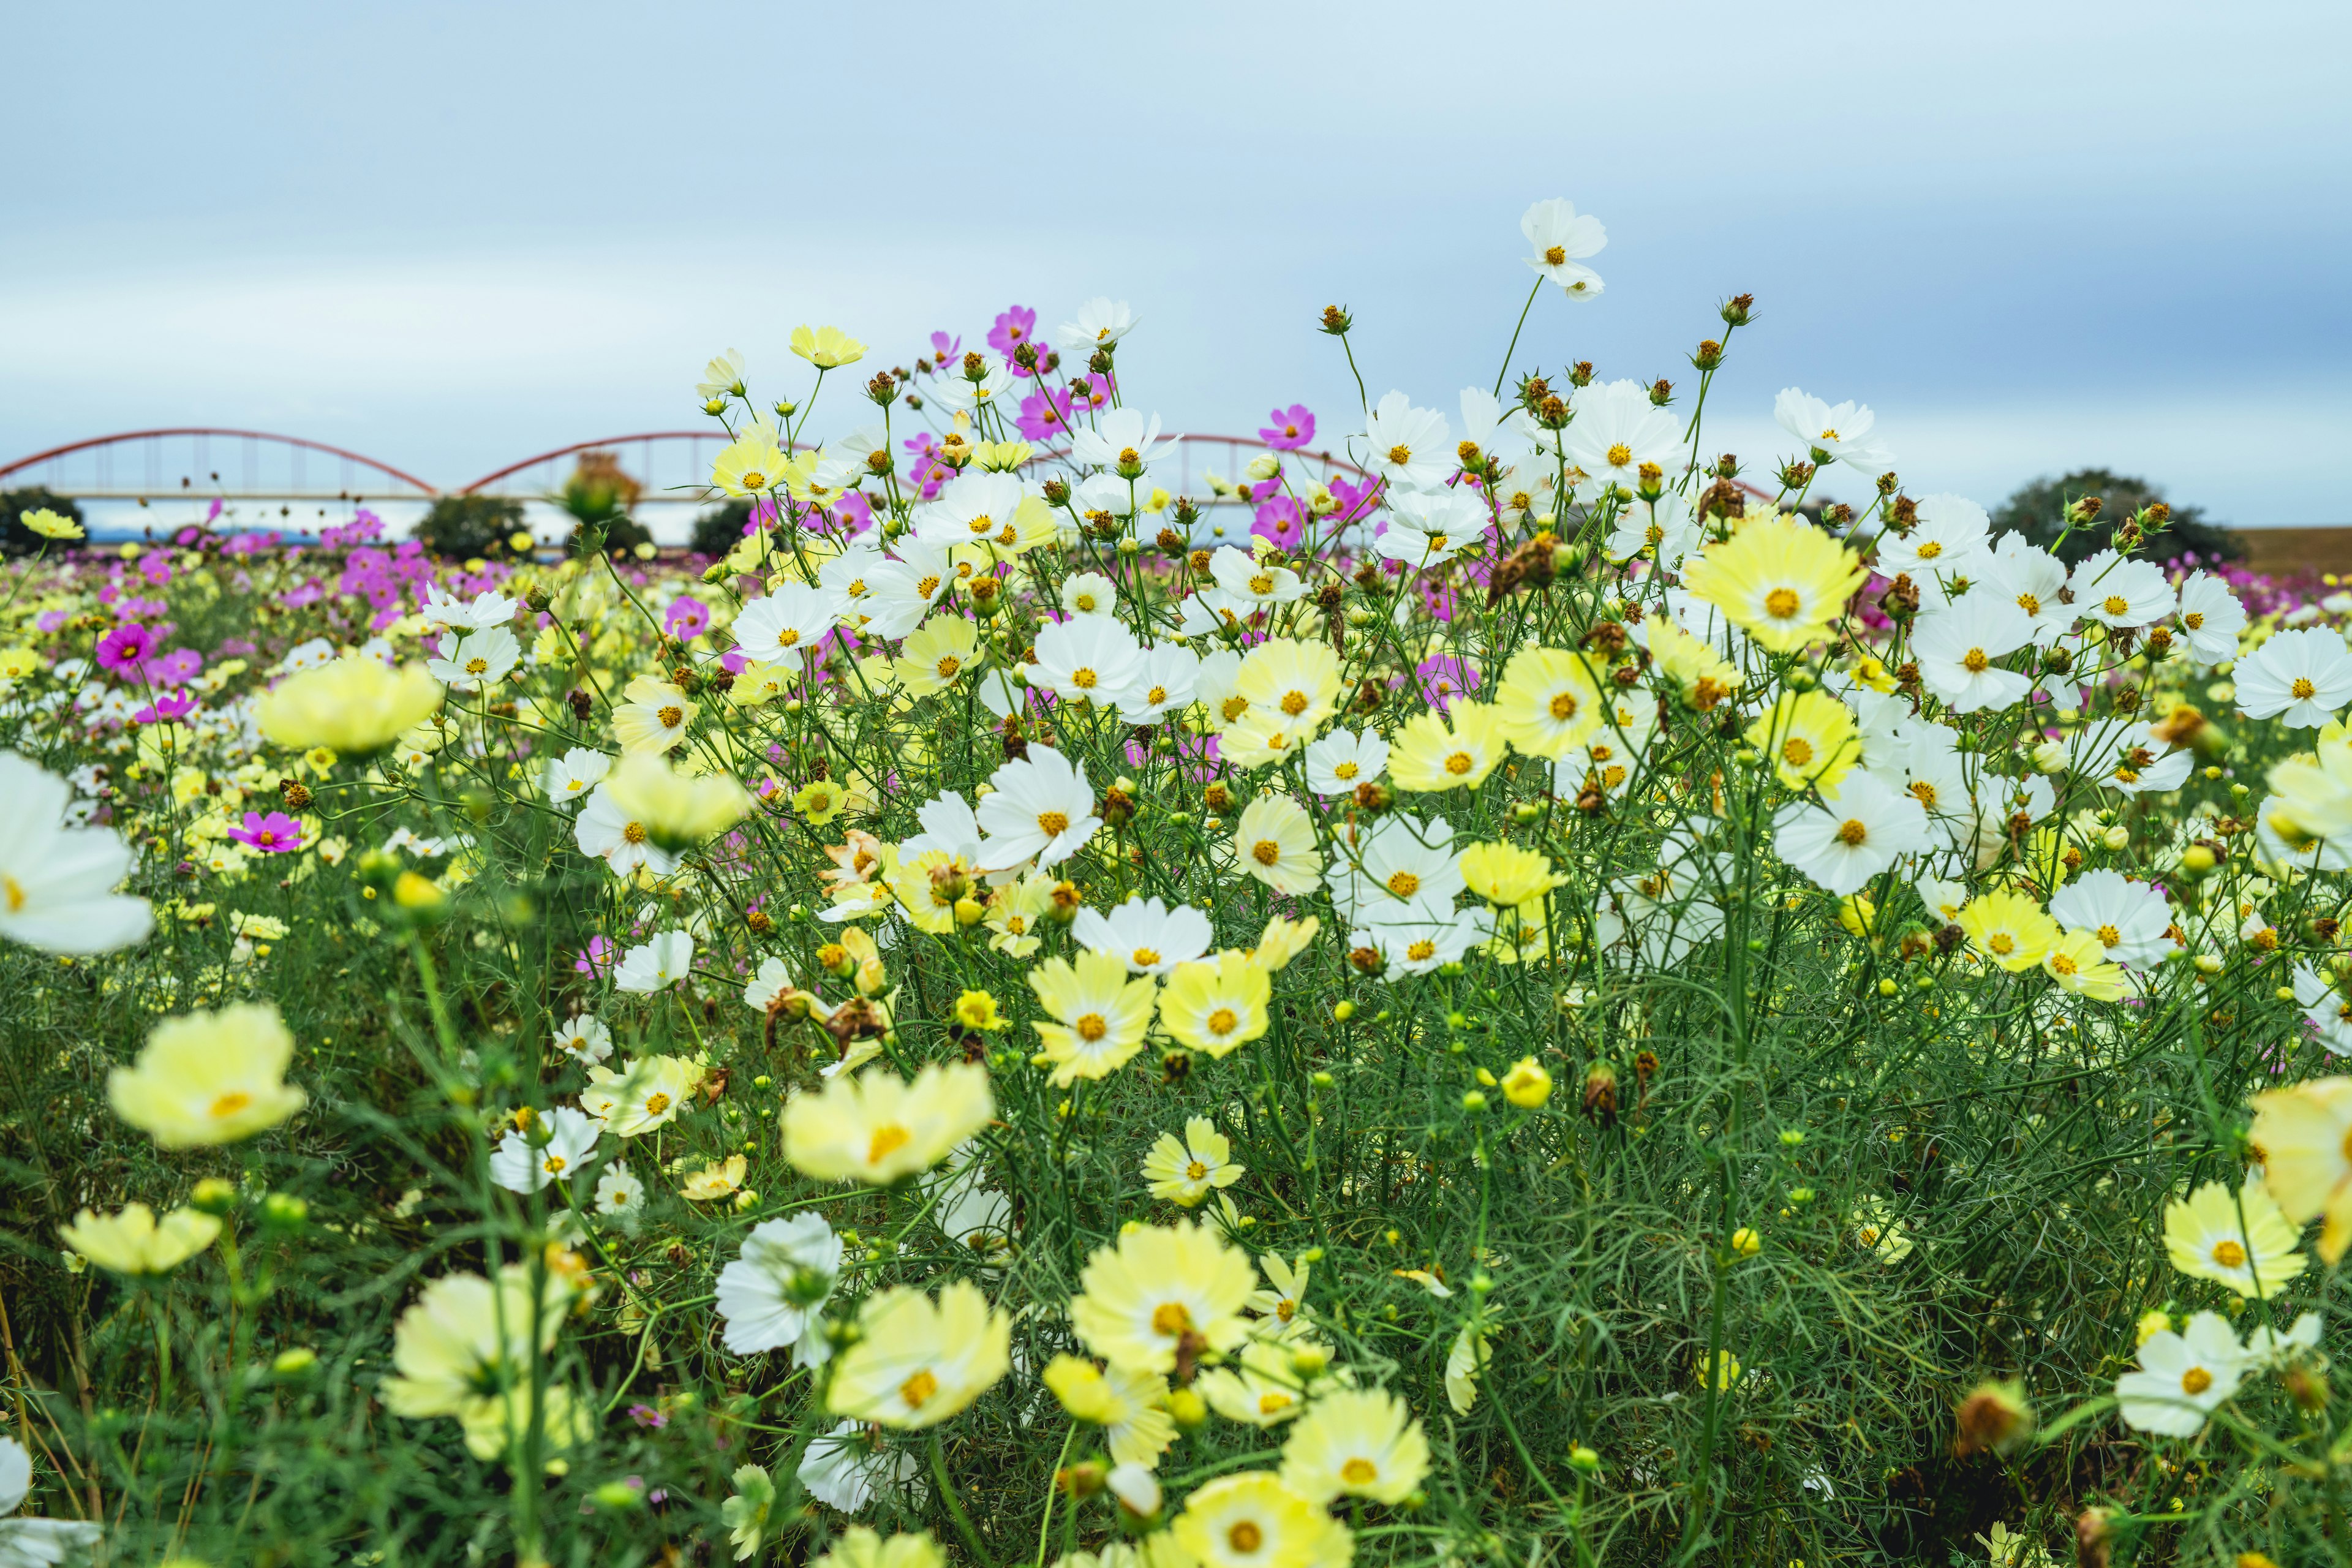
point(2031, 237)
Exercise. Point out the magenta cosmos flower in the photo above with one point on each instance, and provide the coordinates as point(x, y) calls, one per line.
point(1014, 328)
point(127, 646)
point(685, 618)
point(1291, 428)
point(273, 834)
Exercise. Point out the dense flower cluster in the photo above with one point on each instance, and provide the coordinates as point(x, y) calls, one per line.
point(1025, 1007)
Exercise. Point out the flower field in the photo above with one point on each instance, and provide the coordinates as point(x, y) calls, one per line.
point(1499, 986)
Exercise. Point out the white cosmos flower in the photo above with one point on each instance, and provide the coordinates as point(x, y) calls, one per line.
point(1491, 430)
point(1427, 527)
point(1853, 836)
point(1341, 760)
point(1120, 438)
point(57, 880)
point(519, 1165)
point(1421, 939)
point(850, 578)
point(570, 778)
point(1410, 447)
point(790, 620)
point(1399, 860)
point(1206, 610)
point(2211, 617)
point(974, 508)
point(843, 1469)
point(2300, 677)
point(1841, 433)
point(604, 830)
point(585, 1038)
point(1560, 236)
point(902, 592)
point(32, 1542)
point(772, 1295)
point(662, 962)
point(2032, 579)
point(1950, 541)
point(1145, 934)
point(2326, 1009)
point(1090, 594)
point(1040, 808)
point(2182, 1377)
point(1166, 685)
point(1667, 526)
point(1088, 658)
point(2127, 756)
point(619, 1194)
point(2121, 591)
point(1099, 323)
point(1620, 436)
point(1255, 583)
point(957, 392)
point(2130, 918)
point(1959, 652)
point(479, 659)
point(489, 609)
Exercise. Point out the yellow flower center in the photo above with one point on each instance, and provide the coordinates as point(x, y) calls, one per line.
point(477, 665)
point(1422, 951)
point(2109, 936)
point(1830, 434)
point(2230, 1255)
point(887, 1138)
point(2193, 620)
point(634, 833)
point(1405, 884)
point(1271, 1402)
point(929, 586)
point(2196, 1381)
point(1091, 1027)
point(1145, 957)
point(2062, 963)
point(2002, 943)
point(2302, 686)
point(1222, 1022)
point(981, 523)
point(1563, 706)
point(1084, 679)
point(14, 891)
point(1294, 703)
point(1852, 831)
point(1170, 1318)
point(1931, 549)
point(753, 479)
point(919, 1388)
point(1797, 751)
point(1262, 583)
point(671, 716)
point(229, 1104)
point(1245, 1537)
point(2028, 604)
point(1399, 455)
point(1782, 603)
point(1233, 708)
point(1341, 771)
point(948, 666)
point(1265, 852)
point(1196, 1172)
point(1359, 1472)
point(2114, 604)
point(1051, 822)
point(655, 1103)
point(1458, 764)
point(1925, 793)
point(1619, 455)
point(1974, 661)
point(553, 1164)
point(1555, 255)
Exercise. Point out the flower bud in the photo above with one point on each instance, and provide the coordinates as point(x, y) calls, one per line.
point(1747, 1242)
point(1736, 310)
point(1264, 466)
point(289, 1365)
point(2050, 757)
point(1527, 1085)
point(1187, 1409)
point(212, 1196)
point(284, 1211)
point(1137, 1488)
point(1583, 1460)
point(1994, 1418)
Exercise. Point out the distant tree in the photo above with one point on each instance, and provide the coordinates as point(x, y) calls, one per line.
point(458, 528)
point(15, 539)
point(599, 495)
point(2039, 513)
point(720, 529)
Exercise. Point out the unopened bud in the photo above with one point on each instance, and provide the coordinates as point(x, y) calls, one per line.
point(1994, 1418)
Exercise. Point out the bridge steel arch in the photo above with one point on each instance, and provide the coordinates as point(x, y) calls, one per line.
point(251, 465)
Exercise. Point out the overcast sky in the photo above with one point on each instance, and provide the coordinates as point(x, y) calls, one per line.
point(2031, 236)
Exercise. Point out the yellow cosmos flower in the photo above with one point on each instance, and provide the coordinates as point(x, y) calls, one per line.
point(827, 348)
point(1254, 1521)
point(2008, 928)
point(1362, 1442)
point(135, 1242)
point(1507, 874)
point(2302, 1136)
point(877, 1127)
point(1126, 1405)
point(1434, 752)
point(819, 801)
point(859, 1547)
point(641, 1096)
point(1274, 841)
point(1160, 1289)
point(1217, 1006)
point(2206, 1238)
point(209, 1077)
point(918, 1362)
point(465, 1349)
point(941, 652)
point(1298, 680)
point(677, 810)
point(1548, 701)
point(1811, 740)
point(718, 1179)
point(2078, 961)
point(1779, 579)
point(751, 466)
point(1100, 1016)
point(653, 716)
point(1283, 939)
point(357, 705)
point(1186, 1171)
point(1527, 1085)
point(51, 524)
point(1703, 677)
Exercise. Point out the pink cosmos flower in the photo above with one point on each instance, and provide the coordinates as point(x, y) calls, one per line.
point(273, 834)
point(1014, 327)
point(945, 349)
point(1444, 678)
point(1045, 416)
point(127, 646)
point(1281, 521)
point(1291, 428)
point(167, 709)
point(685, 618)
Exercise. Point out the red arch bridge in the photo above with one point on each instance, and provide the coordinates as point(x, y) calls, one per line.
point(266, 477)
